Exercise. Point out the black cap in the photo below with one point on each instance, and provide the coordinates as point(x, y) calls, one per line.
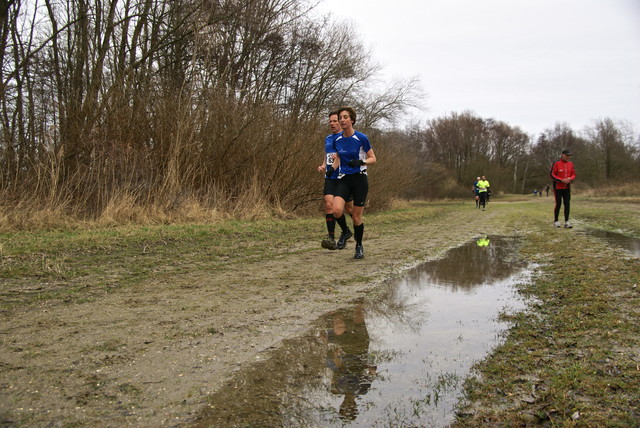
point(567, 152)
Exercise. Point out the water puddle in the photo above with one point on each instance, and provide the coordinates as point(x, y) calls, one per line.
point(627, 243)
point(397, 361)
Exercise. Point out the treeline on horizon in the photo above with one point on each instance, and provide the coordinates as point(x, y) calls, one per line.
point(163, 110)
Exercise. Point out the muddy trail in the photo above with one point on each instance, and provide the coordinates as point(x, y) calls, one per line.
point(397, 360)
point(156, 352)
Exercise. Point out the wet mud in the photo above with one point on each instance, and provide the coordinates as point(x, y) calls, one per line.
point(619, 240)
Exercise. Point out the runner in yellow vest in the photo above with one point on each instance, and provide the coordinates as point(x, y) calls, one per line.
point(483, 188)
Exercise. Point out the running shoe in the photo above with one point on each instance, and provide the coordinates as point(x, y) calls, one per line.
point(567, 225)
point(556, 224)
point(359, 252)
point(329, 243)
point(344, 236)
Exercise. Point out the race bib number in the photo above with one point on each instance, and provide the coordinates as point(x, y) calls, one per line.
point(330, 158)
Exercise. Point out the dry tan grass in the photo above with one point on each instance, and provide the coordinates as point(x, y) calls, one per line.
point(613, 189)
point(250, 203)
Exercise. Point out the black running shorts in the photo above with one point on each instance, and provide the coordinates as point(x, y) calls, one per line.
point(354, 186)
point(330, 186)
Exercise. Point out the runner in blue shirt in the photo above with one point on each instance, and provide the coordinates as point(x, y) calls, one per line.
point(476, 192)
point(354, 156)
point(331, 182)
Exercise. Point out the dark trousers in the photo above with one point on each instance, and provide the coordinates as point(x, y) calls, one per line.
point(483, 199)
point(563, 196)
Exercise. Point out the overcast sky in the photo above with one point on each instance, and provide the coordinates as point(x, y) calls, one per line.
point(530, 63)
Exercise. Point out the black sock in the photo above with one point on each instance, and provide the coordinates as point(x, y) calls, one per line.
point(331, 224)
point(358, 232)
point(342, 223)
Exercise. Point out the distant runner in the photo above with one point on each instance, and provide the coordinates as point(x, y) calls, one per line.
point(476, 192)
point(483, 189)
point(563, 173)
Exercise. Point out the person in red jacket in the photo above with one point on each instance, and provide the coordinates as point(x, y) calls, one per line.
point(562, 173)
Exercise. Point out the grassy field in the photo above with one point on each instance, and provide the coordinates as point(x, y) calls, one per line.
point(572, 360)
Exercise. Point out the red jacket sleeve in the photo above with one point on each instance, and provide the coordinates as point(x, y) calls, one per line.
point(572, 171)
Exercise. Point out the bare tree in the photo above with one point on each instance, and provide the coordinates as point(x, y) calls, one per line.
point(613, 143)
point(162, 102)
point(387, 106)
point(459, 142)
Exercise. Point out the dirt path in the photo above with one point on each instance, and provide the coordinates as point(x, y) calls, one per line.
point(150, 355)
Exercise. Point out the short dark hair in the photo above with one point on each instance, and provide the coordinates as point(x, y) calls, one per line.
point(351, 111)
point(336, 112)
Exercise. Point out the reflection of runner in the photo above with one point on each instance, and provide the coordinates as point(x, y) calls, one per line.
point(483, 242)
point(347, 357)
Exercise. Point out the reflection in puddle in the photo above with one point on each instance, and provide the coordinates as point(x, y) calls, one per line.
point(625, 242)
point(397, 361)
point(347, 358)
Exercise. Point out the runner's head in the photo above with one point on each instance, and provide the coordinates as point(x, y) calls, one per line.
point(350, 112)
point(334, 123)
point(566, 154)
